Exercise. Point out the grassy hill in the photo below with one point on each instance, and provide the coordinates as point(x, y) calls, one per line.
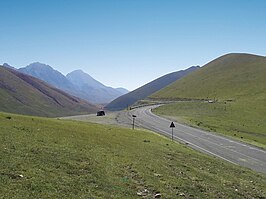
point(141, 93)
point(49, 158)
point(237, 82)
point(230, 77)
point(20, 93)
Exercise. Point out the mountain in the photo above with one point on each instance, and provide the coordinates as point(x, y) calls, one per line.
point(141, 93)
point(80, 79)
point(24, 94)
point(91, 89)
point(50, 76)
point(76, 83)
point(122, 90)
point(233, 76)
point(8, 66)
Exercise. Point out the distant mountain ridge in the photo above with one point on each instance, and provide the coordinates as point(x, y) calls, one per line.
point(122, 90)
point(98, 93)
point(8, 66)
point(79, 78)
point(49, 75)
point(132, 97)
point(76, 83)
point(24, 94)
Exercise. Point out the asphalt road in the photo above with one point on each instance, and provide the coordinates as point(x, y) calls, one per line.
point(230, 150)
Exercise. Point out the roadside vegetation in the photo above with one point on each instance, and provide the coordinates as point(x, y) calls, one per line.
point(244, 121)
point(51, 158)
point(226, 96)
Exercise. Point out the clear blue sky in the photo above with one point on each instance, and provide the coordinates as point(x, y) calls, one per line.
point(127, 43)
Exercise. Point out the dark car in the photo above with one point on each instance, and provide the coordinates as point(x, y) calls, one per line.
point(100, 113)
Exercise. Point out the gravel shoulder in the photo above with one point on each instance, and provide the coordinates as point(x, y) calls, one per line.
point(111, 118)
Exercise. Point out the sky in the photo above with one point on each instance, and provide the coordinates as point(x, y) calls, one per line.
point(128, 43)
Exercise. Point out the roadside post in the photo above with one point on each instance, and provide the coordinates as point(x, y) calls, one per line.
point(172, 126)
point(133, 124)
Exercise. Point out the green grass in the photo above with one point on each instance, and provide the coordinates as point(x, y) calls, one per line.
point(244, 120)
point(230, 77)
point(50, 158)
point(237, 82)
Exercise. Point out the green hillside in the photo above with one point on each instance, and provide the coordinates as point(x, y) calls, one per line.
point(237, 82)
point(23, 94)
point(230, 77)
point(142, 92)
point(49, 158)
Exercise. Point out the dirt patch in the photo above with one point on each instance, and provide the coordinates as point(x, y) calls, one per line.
point(112, 118)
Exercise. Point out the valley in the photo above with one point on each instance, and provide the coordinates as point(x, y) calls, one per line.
point(77, 153)
point(131, 99)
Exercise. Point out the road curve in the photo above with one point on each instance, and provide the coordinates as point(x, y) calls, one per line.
point(230, 150)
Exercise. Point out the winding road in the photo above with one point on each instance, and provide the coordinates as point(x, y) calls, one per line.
point(227, 149)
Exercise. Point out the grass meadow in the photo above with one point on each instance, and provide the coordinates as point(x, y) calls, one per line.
point(51, 158)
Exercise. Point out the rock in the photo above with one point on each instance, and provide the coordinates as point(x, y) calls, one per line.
point(182, 194)
point(157, 175)
point(143, 193)
point(157, 195)
point(140, 194)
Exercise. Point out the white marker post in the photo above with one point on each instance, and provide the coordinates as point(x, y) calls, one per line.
point(133, 124)
point(172, 126)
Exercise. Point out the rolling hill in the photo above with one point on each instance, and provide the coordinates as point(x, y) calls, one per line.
point(141, 93)
point(24, 94)
point(230, 77)
point(235, 84)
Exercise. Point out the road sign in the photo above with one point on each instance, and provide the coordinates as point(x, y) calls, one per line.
point(133, 124)
point(172, 125)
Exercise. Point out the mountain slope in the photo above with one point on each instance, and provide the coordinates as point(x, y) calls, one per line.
point(237, 85)
point(79, 78)
point(148, 89)
point(76, 83)
point(230, 77)
point(122, 90)
point(91, 89)
point(8, 66)
point(24, 94)
point(49, 75)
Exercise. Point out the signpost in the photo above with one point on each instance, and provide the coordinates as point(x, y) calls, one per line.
point(133, 124)
point(172, 126)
